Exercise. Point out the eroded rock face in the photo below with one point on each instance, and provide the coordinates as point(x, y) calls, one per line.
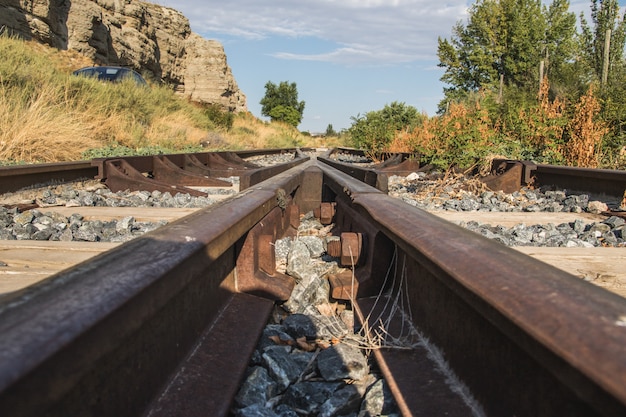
point(147, 37)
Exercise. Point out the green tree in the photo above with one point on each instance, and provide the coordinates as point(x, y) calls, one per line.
point(280, 103)
point(604, 16)
point(285, 114)
point(561, 47)
point(376, 129)
point(330, 131)
point(505, 40)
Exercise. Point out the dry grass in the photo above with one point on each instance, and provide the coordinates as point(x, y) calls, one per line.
point(248, 132)
point(544, 125)
point(42, 128)
point(586, 133)
point(395, 306)
point(47, 115)
point(177, 127)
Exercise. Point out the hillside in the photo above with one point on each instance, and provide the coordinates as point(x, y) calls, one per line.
point(48, 115)
point(156, 41)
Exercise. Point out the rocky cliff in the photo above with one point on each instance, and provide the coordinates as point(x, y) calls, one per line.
point(148, 37)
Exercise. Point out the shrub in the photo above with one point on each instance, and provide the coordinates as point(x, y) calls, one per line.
point(540, 128)
point(547, 132)
point(585, 133)
point(376, 130)
point(462, 136)
point(219, 116)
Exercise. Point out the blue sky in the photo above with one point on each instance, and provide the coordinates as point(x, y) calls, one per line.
point(347, 57)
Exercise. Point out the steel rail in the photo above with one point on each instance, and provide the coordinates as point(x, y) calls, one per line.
point(377, 174)
point(603, 184)
point(506, 175)
point(15, 177)
point(527, 338)
point(177, 172)
point(164, 325)
point(598, 182)
point(103, 338)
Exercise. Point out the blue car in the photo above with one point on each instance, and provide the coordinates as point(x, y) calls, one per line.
point(112, 74)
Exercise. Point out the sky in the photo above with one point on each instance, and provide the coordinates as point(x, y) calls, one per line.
point(347, 57)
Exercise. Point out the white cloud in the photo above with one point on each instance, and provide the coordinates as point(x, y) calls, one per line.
point(351, 56)
point(364, 31)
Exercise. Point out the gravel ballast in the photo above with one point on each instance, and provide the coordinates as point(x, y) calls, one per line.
point(309, 361)
point(36, 225)
point(424, 192)
point(428, 192)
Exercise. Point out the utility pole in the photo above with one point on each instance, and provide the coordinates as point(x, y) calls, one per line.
point(607, 53)
point(541, 65)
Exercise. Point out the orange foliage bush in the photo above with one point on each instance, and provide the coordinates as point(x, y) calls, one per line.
point(463, 135)
point(585, 133)
point(546, 132)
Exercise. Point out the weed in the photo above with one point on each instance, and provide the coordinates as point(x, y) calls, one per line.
point(546, 131)
point(585, 133)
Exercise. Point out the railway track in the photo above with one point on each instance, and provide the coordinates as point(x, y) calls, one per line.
point(149, 327)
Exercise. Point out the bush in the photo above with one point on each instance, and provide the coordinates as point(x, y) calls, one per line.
point(546, 132)
point(462, 136)
point(376, 130)
point(219, 116)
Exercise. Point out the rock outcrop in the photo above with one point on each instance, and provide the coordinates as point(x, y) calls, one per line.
point(147, 37)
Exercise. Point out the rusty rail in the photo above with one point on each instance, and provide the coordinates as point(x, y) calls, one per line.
point(166, 173)
point(605, 184)
point(377, 174)
point(505, 175)
point(149, 328)
point(13, 178)
point(178, 172)
point(113, 336)
point(527, 338)
point(598, 182)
